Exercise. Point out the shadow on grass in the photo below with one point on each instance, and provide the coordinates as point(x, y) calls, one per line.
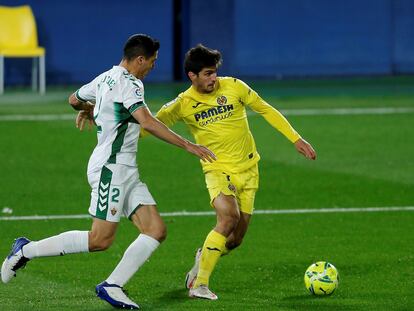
point(320, 303)
point(175, 296)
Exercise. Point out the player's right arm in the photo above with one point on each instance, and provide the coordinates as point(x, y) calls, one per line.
point(160, 130)
point(168, 114)
point(85, 112)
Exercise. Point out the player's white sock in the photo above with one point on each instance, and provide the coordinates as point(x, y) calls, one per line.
point(134, 257)
point(64, 243)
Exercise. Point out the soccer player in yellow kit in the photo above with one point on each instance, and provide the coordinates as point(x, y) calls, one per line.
point(214, 109)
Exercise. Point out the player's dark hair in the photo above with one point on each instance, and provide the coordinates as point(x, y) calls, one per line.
point(140, 45)
point(200, 57)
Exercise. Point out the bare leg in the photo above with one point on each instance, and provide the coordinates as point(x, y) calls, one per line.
point(236, 237)
point(149, 222)
point(228, 214)
point(102, 234)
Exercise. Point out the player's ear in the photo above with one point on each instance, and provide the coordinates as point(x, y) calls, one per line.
point(140, 59)
point(192, 75)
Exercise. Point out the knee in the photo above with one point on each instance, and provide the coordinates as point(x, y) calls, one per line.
point(229, 222)
point(160, 233)
point(232, 220)
point(157, 231)
point(234, 243)
point(99, 243)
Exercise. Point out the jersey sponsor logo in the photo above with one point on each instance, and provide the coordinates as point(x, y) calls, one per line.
point(222, 100)
point(216, 119)
point(214, 111)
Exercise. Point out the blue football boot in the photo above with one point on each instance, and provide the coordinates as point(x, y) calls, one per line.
point(115, 296)
point(15, 260)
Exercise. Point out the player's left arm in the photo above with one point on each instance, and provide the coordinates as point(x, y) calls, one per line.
point(161, 131)
point(305, 148)
point(250, 98)
point(279, 122)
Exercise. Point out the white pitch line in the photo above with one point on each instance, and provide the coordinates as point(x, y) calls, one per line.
point(347, 111)
point(287, 112)
point(34, 117)
point(211, 213)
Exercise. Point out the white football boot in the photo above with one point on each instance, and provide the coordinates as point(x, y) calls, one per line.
point(192, 274)
point(202, 291)
point(115, 296)
point(15, 260)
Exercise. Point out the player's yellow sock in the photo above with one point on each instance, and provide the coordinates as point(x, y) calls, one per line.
point(212, 249)
point(225, 251)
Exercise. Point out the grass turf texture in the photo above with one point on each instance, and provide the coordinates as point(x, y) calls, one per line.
point(363, 161)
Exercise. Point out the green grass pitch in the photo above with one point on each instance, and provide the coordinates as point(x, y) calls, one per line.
point(364, 160)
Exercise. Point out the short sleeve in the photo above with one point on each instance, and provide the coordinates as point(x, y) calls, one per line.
point(87, 92)
point(133, 96)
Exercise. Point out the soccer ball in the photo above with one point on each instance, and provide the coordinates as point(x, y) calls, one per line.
point(321, 278)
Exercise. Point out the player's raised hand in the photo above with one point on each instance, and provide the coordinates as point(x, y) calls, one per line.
point(303, 147)
point(201, 151)
point(83, 117)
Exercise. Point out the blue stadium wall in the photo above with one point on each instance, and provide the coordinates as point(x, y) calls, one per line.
point(274, 39)
point(261, 38)
point(85, 37)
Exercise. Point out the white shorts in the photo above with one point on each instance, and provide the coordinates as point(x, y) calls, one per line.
point(116, 190)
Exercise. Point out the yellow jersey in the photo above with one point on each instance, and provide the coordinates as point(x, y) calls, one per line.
point(218, 120)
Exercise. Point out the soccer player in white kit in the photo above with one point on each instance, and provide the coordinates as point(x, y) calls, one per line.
point(115, 102)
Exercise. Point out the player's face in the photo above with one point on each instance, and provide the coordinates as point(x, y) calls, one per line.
point(205, 81)
point(148, 64)
point(141, 66)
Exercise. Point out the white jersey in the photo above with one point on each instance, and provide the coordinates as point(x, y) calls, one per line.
point(117, 94)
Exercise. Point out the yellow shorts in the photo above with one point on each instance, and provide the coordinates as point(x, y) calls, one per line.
point(242, 186)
